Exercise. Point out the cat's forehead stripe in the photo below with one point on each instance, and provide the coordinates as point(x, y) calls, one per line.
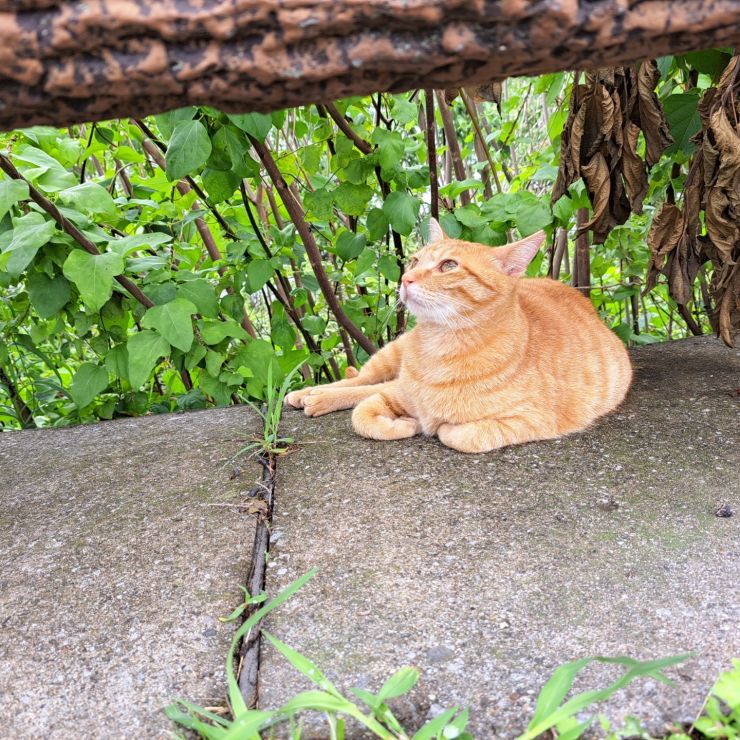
point(433, 253)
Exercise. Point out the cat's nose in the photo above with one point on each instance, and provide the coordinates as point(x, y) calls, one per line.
point(406, 279)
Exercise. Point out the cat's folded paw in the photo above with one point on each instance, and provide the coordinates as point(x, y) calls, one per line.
point(463, 438)
point(295, 399)
point(407, 426)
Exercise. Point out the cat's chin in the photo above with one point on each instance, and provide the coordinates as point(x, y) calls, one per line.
point(441, 317)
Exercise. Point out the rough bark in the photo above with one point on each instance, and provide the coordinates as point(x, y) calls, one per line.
point(62, 62)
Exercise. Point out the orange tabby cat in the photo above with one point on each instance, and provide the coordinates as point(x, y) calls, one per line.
point(494, 359)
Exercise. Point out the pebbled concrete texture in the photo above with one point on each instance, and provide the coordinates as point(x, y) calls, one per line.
point(121, 544)
point(488, 571)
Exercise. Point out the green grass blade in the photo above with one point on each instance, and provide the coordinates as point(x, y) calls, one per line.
point(321, 701)
point(318, 701)
point(195, 710)
point(555, 689)
point(432, 728)
point(302, 664)
point(236, 699)
point(585, 699)
point(573, 733)
point(191, 722)
point(400, 683)
point(247, 726)
point(461, 721)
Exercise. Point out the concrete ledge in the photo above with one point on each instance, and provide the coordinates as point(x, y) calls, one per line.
point(488, 571)
point(120, 548)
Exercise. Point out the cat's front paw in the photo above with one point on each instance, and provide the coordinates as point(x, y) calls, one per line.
point(295, 399)
point(322, 401)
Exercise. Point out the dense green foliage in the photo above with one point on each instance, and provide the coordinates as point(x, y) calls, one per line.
point(185, 207)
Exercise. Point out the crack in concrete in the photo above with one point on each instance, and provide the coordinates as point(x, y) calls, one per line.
point(249, 650)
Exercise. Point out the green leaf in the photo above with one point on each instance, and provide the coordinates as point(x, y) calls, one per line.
point(30, 233)
point(234, 146)
point(48, 295)
point(217, 390)
point(377, 224)
point(727, 686)
point(556, 714)
point(349, 245)
point(401, 210)
point(495, 208)
point(364, 262)
point(450, 225)
point(281, 331)
point(11, 192)
point(48, 174)
point(391, 148)
point(189, 148)
point(314, 324)
point(144, 350)
point(116, 361)
point(127, 244)
point(316, 700)
point(88, 381)
point(214, 332)
point(259, 272)
point(404, 111)
point(710, 62)
point(93, 275)
point(469, 215)
point(89, 197)
point(172, 321)
point(214, 360)
point(460, 186)
point(682, 113)
point(532, 214)
point(319, 203)
point(220, 185)
point(246, 725)
point(202, 294)
point(352, 199)
point(388, 266)
point(255, 124)
point(400, 683)
point(166, 122)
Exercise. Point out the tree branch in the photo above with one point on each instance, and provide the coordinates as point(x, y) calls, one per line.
point(65, 61)
point(453, 146)
point(295, 210)
point(432, 151)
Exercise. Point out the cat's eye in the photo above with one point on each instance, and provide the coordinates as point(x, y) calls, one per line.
point(413, 263)
point(447, 265)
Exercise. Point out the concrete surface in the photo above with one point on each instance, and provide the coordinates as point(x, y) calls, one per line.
point(120, 546)
point(488, 571)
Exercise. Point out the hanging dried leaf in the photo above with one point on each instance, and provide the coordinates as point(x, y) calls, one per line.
point(729, 312)
point(677, 245)
point(652, 119)
point(633, 169)
point(599, 142)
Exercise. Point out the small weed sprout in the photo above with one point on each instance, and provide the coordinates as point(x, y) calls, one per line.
point(271, 442)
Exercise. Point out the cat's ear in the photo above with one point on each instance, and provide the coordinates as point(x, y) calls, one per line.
point(514, 258)
point(435, 231)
